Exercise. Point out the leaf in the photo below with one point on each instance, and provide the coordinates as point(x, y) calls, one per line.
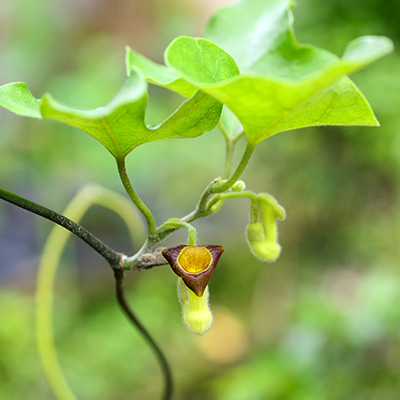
point(158, 74)
point(120, 125)
point(203, 59)
point(17, 98)
point(166, 77)
point(282, 85)
point(258, 35)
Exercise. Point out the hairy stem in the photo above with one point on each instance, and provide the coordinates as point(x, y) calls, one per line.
point(176, 223)
point(119, 288)
point(135, 197)
point(106, 252)
point(254, 208)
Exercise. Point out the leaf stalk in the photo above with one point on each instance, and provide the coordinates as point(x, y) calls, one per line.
point(135, 197)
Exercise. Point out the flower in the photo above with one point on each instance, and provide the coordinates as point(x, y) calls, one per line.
point(194, 264)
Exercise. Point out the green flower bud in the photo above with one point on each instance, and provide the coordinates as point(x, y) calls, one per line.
point(196, 312)
point(262, 236)
point(238, 186)
point(255, 232)
point(270, 205)
point(260, 246)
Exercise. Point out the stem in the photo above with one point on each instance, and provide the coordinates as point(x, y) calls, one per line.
point(135, 197)
point(223, 196)
point(146, 257)
point(215, 188)
point(230, 148)
point(106, 252)
point(223, 130)
point(254, 210)
point(49, 262)
point(180, 224)
point(51, 255)
point(119, 290)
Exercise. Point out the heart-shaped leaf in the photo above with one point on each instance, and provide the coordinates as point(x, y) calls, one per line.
point(282, 85)
point(120, 125)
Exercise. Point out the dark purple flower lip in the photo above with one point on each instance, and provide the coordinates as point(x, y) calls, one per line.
point(194, 264)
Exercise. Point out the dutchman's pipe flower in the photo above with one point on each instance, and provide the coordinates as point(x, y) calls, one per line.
point(194, 266)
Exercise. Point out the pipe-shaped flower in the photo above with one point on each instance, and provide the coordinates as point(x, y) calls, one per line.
point(262, 236)
point(194, 264)
point(196, 312)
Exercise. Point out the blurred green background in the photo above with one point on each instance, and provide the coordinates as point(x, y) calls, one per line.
point(322, 323)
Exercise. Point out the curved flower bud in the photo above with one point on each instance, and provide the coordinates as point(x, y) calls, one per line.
point(196, 312)
point(262, 248)
point(262, 236)
point(270, 206)
point(194, 264)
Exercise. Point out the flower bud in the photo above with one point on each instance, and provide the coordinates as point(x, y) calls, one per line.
point(196, 312)
point(270, 205)
point(260, 246)
point(262, 236)
point(255, 232)
point(238, 186)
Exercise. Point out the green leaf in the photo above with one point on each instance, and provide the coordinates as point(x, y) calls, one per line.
point(17, 98)
point(120, 125)
point(201, 58)
point(282, 85)
point(258, 35)
point(166, 77)
point(158, 74)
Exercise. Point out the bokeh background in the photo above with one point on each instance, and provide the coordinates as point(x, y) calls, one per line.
point(321, 323)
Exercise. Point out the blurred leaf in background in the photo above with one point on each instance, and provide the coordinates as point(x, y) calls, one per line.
point(321, 323)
